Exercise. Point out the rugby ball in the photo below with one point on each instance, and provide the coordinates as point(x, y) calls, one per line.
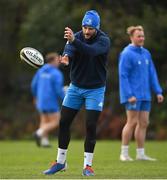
point(32, 56)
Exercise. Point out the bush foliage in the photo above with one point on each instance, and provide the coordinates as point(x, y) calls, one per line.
point(41, 24)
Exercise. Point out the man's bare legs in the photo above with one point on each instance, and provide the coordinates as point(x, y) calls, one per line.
point(141, 127)
point(48, 122)
point(137, 122)
point(132, 119)
point(140, 136)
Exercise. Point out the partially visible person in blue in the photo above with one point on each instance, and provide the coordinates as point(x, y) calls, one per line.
point(47, 90)
point(137, 78)
point(87, 50)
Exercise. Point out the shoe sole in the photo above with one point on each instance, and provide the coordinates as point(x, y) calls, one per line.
point(126, 160)
point(62, 170)
point(87, 175)
point(65, 168)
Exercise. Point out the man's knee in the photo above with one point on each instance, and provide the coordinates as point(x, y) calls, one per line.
point(91, 121)
point(132, 123)
point(64, 124)
point(67, 116)
point(91, 125)
point(143, 123)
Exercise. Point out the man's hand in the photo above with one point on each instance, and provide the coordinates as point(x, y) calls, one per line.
point(160, 98)
point(65, 60)
point(69, 35)
point(65, 88)
point(132, 100)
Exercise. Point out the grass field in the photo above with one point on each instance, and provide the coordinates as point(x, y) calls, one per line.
point(23, 160)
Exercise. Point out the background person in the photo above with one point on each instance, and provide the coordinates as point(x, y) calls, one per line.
point(47, 89)
point(87, 51)
point(137, 77)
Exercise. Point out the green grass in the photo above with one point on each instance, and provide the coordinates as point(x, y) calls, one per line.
point(23, 160)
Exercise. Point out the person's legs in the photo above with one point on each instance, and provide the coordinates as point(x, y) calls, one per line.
point(90, 140)
point(127, 132)
point(67, 116)
point(51, 122)
point(43, 120)
point(140, 130)
point(132, 118)
point(71, 104)
point(94, 104)
point(40, 131)
point(140, 135)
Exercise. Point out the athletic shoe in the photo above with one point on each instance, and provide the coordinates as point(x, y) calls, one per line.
point(145, 158)
point(45, 142)
point(125, 158)
point(56, 167)
point(88, 171)
point(37, 139)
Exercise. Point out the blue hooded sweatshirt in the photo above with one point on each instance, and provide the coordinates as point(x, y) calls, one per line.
point(47, 88)
point(137, 74)
point(88, 60)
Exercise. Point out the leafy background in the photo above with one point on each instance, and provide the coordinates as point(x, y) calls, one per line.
point(40, 24)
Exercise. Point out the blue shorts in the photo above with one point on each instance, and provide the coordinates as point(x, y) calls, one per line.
point(76, 97)
point(138, 106)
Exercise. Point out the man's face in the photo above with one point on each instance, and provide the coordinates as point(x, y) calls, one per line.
point(88, 32)
point(57, 60)
point(138, 38)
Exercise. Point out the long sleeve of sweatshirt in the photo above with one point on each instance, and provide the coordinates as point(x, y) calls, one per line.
point(101, 46)
point(69, 49)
